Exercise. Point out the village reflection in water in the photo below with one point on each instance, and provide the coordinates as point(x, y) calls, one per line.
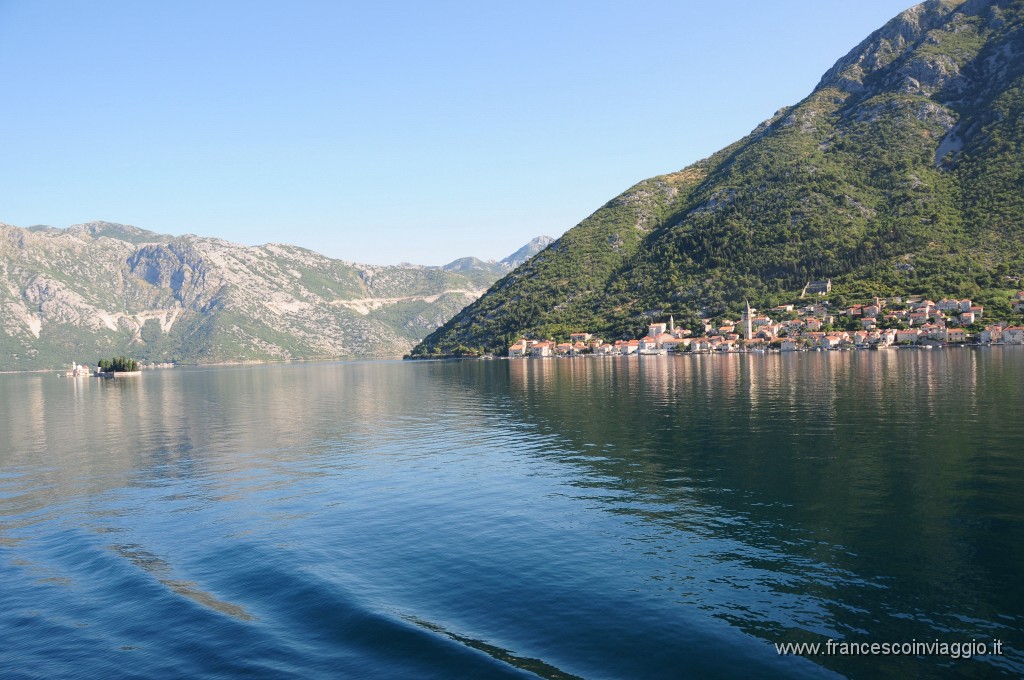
point(785, 496)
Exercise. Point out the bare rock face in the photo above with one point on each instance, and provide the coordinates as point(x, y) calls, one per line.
point(885, 46)
point(526, 252)
point(927, 75)
point(94, 289)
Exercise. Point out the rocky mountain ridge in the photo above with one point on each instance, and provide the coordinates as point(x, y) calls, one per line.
point(101, 289)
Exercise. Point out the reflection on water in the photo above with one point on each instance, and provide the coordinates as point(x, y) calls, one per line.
point(619, 517)
point(160, 569)
point(872, 493)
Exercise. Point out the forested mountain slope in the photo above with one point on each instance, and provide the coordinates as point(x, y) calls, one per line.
point(902, 172)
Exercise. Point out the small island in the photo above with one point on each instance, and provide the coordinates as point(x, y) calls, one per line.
point(118, 367)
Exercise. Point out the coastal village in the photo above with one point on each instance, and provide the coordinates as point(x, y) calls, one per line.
point(883, 323)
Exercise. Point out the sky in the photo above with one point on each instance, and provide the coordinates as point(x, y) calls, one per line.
point(385, 132)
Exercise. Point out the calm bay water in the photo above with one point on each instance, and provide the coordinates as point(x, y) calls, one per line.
point(652, 517)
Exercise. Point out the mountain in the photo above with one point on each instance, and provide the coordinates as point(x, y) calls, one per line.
point(902, 172)
point(482, 272)
point(103, 289)
point(487, 272)
point(526, 252)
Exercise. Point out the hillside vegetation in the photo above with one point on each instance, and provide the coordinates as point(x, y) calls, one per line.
point(901, 173)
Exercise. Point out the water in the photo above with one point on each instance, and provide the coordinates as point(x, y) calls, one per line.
point(653, 517)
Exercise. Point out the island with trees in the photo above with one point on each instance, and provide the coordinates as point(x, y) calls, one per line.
point(117, 367)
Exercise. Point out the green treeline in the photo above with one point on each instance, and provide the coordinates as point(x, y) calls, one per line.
point(117, 365)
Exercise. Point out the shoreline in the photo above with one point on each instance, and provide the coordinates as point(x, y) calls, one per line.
point(241, 362)
point(814, 350)
point(407, 358)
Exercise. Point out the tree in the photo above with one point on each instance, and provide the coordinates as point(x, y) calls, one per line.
point(120, 364)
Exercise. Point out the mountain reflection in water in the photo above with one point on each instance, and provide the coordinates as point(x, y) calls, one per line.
point(630, 517)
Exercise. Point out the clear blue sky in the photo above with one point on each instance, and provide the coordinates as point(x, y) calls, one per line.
point(382, 131)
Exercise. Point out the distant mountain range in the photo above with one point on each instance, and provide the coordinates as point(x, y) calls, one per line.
point(901, 173)
point(490, 271)
point(101, 289)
